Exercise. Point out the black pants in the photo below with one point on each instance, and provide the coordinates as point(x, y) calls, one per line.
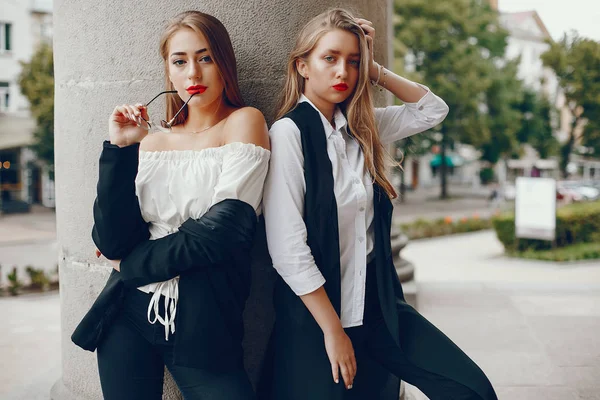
point(411, 361)
point(134, 353)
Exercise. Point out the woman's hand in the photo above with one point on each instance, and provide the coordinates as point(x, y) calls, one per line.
point(367, 27)
point(341, 356)
point(123, 129)
point(116, 264)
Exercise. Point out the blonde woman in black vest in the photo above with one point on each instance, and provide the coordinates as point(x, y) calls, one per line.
point(342, 322)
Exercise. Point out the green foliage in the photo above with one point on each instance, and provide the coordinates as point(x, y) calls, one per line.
point(423, 228)
point(452, 45)
point(486, 175)
point(455, 46)
point(591, 133)
point(576, 63)
point(37, 85)
point(575, 223)
point(503, 116)
point(575, 252)
point(39, 279)
point(536, 128)
point(14, 284)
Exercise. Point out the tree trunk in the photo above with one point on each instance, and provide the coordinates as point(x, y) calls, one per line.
point(402, 185)
point(443, 169)
point(567, 149)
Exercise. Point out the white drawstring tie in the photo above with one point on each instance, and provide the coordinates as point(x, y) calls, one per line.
point(171, 298)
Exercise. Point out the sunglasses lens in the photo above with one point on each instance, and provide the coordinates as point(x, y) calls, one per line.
point(163, 126)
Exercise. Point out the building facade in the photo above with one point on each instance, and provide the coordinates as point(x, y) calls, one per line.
point(24, 180)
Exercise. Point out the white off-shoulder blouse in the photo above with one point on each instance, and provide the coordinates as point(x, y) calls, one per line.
point(175, 185)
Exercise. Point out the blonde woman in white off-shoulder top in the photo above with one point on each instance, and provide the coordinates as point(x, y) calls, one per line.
point(209, 148)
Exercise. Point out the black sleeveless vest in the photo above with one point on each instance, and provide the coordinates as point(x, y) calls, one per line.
point(296, 332)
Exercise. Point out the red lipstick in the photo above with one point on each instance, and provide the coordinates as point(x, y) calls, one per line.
point(341, 87)
point(196, 89)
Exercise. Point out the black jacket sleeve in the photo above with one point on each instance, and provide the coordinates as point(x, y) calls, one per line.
point(118, 223)
point(224, 232)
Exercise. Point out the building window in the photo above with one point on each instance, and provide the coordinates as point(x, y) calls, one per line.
point(5, 37)
point(4, 96)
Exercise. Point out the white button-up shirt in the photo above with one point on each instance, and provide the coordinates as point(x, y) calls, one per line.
point(285, 186)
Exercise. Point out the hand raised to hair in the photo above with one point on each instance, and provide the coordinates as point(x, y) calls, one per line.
point(367, 27)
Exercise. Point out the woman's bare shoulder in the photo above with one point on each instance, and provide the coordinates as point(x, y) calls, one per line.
point(247, 125)
point(157, 141)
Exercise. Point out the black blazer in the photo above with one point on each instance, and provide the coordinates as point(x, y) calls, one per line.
point(211, 256)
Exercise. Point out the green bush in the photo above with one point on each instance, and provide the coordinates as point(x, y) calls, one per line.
point(575, 223)
point(39, 279)
point(486, 175)
point(14, 284)
point(574, 252)
point(423, 228)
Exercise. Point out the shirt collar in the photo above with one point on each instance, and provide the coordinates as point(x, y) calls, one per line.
point(338, 118)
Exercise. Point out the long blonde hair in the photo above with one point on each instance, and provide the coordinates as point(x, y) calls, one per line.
point(222, 55)
point(358, 108)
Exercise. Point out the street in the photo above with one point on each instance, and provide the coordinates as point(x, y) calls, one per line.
point(531, 326)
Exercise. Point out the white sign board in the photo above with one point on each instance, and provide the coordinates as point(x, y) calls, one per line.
point(535, 208)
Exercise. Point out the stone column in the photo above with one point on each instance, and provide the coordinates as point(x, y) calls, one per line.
point(106, 53)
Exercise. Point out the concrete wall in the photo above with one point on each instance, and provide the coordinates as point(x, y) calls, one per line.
point(106, 53)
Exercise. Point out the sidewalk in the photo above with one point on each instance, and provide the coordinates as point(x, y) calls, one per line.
point(39, 225)
point(531, 326)
point(425, 203)
point(30, 340)
point(28, 240)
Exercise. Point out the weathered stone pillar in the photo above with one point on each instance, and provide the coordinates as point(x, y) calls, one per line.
point(106, 53)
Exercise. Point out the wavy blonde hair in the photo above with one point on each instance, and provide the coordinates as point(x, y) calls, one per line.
point(358, 108)
point(221, 52)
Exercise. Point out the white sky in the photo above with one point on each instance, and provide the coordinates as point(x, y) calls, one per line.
point(561, 16)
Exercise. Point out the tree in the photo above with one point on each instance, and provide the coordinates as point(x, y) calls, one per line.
point(452, 46)
point(576, 63)
point(536, 126)
point(37, 85)
point(591, 133)
point(503, 98)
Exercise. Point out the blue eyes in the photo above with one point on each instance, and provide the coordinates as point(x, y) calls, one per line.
point(331, 59)
point(204, 60)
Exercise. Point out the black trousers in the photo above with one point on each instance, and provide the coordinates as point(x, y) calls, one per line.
point(134, 353)
point(409, 361)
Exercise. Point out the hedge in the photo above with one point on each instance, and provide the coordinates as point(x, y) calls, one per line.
point(423, 228)
point(575, 223)
point(574, 252)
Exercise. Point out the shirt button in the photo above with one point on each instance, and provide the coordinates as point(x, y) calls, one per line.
point(361, 209)
point(356, 180)
point(342, 156)
point(361, 239)
point(421, 108)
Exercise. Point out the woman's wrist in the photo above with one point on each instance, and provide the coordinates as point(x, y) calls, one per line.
point(120, 143)
point(374, 71)
point(333, 329)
